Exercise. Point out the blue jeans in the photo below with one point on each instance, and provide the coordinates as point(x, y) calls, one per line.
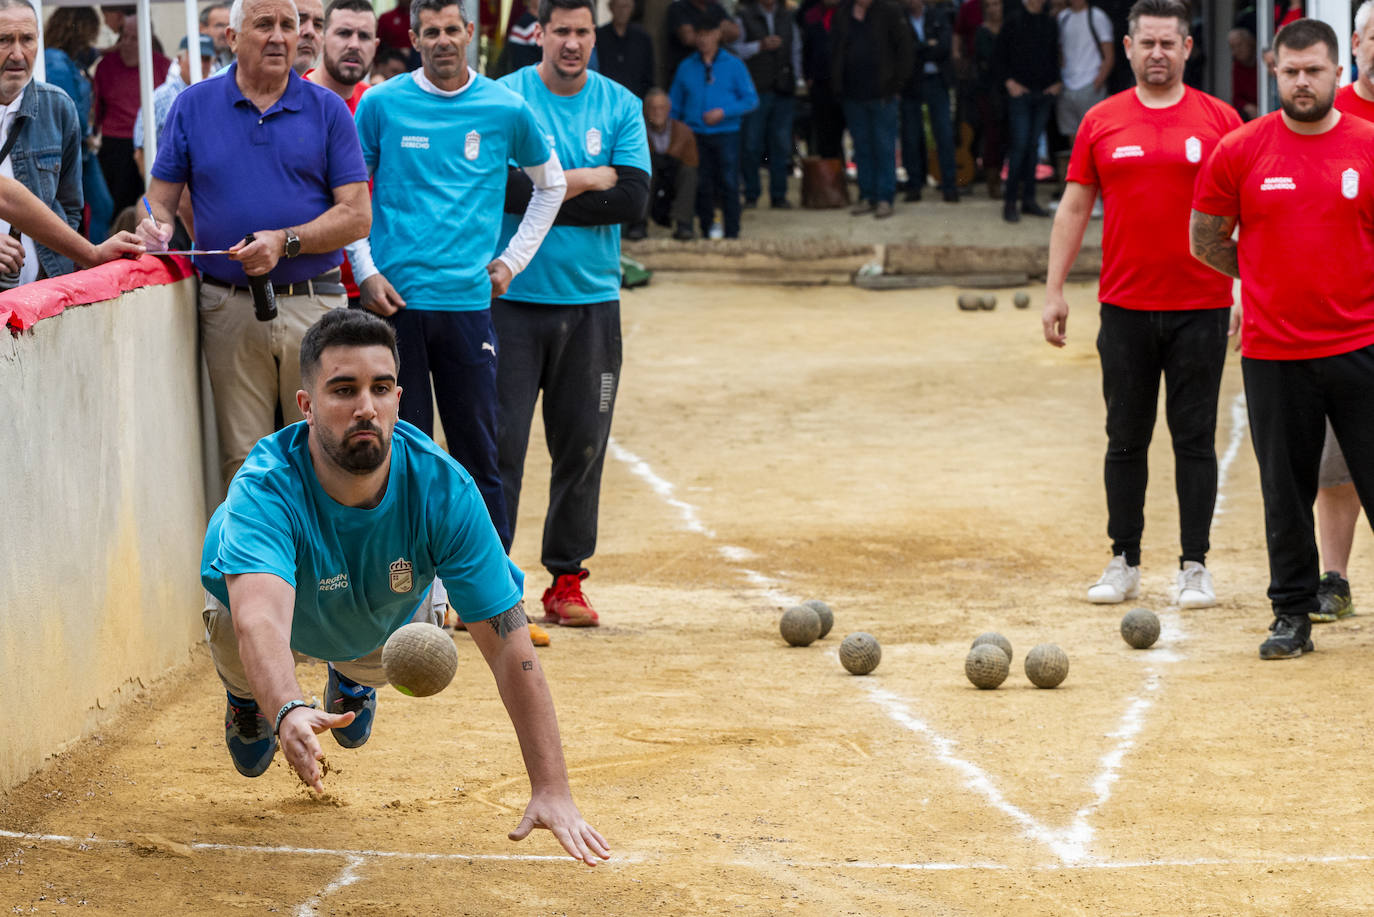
point(935, 99)
point(97, 198)
point(718, 179)
point(873, 128)
point(1027, 116)
point(768, 129)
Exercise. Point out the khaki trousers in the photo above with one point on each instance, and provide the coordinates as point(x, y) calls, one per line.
point(254, 366)
point(224, 649)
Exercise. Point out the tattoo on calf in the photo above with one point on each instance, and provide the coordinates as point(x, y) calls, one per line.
point(510, 620)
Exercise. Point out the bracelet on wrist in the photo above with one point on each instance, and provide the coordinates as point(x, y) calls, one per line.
point(287, 708)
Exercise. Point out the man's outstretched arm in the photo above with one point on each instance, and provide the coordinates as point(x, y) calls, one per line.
point(505, 644)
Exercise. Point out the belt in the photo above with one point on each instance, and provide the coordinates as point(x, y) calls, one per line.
point(330, 283)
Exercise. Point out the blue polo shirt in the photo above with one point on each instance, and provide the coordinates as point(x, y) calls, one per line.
point(726, 85)
point(600, 125)
point(250, 170)
point(359, 574)
point(439, 170)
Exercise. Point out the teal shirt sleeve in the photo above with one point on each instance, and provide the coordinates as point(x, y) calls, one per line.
point(255, 536)
point(481, 581)
point(529, 148)
point(366, 120)
point(632, 140)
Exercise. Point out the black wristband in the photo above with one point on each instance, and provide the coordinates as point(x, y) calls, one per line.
point(287, 708)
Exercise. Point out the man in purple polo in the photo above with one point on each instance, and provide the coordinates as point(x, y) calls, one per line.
point(267, 153)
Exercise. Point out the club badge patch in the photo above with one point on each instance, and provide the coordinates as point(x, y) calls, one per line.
point(593, 142)
point(472, 145)
point(1192, 148)
point(402, 574)
point(1350, 184)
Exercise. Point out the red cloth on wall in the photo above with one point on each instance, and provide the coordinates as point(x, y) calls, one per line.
point(23, 307)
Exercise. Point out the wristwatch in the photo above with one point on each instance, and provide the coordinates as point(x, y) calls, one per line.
point(293, 243)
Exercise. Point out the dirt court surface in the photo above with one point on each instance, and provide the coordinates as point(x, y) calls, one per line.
point(930, 473)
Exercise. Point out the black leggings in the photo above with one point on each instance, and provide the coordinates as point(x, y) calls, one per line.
point(1189, 348)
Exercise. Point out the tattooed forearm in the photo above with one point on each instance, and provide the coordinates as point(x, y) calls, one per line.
point(1211, 242)
point(509, 621)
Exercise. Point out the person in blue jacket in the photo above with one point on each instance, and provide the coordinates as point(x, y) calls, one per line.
point(711, 93)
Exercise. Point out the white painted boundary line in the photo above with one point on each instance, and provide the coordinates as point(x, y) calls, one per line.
point(1239, 421)
point(347, 877)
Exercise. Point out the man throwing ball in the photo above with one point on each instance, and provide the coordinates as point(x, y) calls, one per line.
point(332, 533)
point(1300, 185)
point(1161, 313)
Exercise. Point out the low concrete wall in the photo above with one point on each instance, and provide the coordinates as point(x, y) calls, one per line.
point(101, 514)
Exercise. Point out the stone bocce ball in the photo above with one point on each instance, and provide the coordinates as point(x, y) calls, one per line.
point(822, 611)
point(1047, 665)
point(800, 625)
point(860, 653)
point(1140, 628)
point(995, 639)
point(419, 659)
point(987, 665)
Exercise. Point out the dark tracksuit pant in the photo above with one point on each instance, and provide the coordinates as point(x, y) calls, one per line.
point(458, 349)
point(1189, 348)
point(1289, 403)
point(572, 354)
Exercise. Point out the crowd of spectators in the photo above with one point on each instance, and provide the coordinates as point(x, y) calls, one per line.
point(941, 94)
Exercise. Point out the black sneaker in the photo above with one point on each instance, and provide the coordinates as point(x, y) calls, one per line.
point(342, 695)
point(1333, 599)
point(1010, 213)
point(249, 737)
point(1289, 638)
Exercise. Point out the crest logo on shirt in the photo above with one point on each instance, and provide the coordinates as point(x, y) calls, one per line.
point(1192, 148)
point(402, 575)
point(472, 145)
point(1350, 184)
point(593, 142)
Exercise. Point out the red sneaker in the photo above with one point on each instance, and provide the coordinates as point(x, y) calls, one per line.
point(565, 605)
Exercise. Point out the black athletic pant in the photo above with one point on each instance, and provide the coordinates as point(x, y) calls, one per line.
point(1189, 348)
point(458, 351)
point(125, 182)
point(1289, 403)
point(572, 353)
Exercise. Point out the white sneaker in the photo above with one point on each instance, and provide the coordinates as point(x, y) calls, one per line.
point(1119, 582)
point(716, 231)
point(1195, 586)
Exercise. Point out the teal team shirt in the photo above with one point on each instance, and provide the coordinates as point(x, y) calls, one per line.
point(359, 574)
point(439, 189)
point(603, 125)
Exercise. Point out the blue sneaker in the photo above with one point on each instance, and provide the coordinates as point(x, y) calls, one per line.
point(342, 695)
point(249, 737)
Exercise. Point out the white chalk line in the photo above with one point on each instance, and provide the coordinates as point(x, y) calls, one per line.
point(1183, 863)
point(768, 587)
point(1239, 421)
point(93, 841)
point(347, 877)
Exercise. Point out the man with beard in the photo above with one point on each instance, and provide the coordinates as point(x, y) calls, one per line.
point(329, 541)
point(1161, 312)
point(309, 34)
point(558, 325)
point(350, 44)
point(1304, 173)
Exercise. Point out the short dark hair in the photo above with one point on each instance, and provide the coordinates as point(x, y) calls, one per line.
point(344, 328)
point(205, 13)
point(1159, 9)
point(348, 6)
point(416, 6)
point(385, 54)
point(1301, 34)
point(546, 8)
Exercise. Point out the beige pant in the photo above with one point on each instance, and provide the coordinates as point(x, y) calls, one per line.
point(224, 649)
point(254, 366)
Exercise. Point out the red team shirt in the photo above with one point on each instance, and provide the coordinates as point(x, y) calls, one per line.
point(1145, 160)
point(1306, 234)
point(1349, 101)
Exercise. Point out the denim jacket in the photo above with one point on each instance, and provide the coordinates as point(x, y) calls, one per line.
point(47, 160)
